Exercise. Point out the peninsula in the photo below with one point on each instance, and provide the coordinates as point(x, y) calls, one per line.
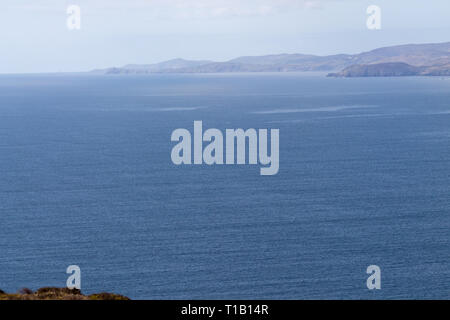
point(403, 60)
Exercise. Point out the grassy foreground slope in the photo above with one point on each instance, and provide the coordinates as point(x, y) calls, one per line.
point(50, 293)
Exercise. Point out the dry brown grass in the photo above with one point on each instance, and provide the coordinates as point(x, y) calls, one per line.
point(50, 293)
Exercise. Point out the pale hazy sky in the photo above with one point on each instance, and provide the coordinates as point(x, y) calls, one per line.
point(34, 36)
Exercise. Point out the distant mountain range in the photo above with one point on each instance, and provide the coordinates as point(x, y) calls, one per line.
point(404, 60)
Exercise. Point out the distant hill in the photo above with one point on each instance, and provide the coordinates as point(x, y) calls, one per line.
point(392, 69)
point(411, 59)
point(388, 69)
point(166, 66)
point(413, 54)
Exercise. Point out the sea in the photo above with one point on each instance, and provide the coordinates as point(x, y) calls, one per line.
point(86, 179)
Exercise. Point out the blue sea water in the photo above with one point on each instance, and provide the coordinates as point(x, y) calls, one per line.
point(86, 178)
